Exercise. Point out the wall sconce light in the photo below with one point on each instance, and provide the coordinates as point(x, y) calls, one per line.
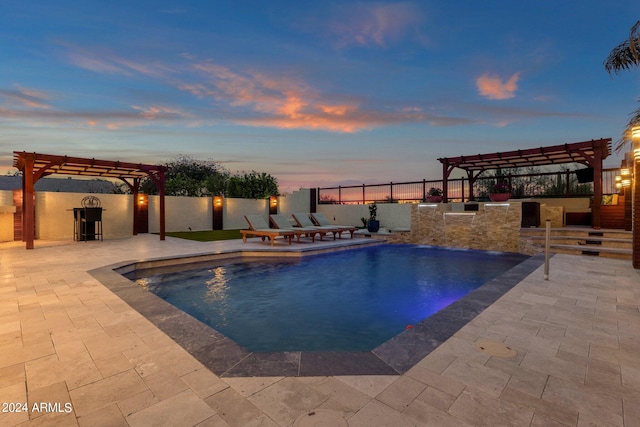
point(217, 201)
point(141, 200)
point(624, 180)
point(273, 201)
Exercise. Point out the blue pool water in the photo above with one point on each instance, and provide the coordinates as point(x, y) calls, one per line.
point(343, 301)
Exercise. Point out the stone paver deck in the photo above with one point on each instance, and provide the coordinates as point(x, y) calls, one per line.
point(73, 353)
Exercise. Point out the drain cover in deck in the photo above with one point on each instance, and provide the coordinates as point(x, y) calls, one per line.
point(320, 418)
point(495, 348)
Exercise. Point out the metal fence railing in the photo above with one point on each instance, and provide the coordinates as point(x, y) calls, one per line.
point(548, 184)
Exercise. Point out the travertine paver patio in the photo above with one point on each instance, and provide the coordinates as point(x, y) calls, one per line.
point(66, 339)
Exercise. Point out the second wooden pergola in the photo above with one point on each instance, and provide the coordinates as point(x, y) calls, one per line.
point(589, 153)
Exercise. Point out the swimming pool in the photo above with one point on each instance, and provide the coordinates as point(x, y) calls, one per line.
point(352, 300)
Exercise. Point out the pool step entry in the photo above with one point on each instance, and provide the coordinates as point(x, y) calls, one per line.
point(607, 243)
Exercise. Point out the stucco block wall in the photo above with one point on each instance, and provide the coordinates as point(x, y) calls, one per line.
point(235, 209)
point(6, 216)
point(6, 198)
point(181, 213)
point(54, 214)
point(298, 201)
point(390, 215)
point(577, 204)
point(553, 213)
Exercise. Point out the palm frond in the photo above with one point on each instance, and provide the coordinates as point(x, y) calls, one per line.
point(627, 54)
point(634, 120)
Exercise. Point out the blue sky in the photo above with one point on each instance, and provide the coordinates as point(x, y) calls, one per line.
point(314, 93)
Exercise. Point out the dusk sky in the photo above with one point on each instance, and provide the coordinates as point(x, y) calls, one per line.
point(315, 93)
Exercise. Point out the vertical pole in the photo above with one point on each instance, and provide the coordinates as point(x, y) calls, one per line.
point(391, 191)
point(424, 190)
point(363, 195)
point(472, 181)
point(597, 187)
point(445, 182)
point(134, 190)
point(161, 180)
point(635, 226)
point(547, 246)
point(28, 212)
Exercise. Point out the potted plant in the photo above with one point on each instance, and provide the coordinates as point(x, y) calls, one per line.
point(434, 195)
point(500, 192)
point(373, 225)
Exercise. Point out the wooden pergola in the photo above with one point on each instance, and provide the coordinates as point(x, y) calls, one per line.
point(35, 166)
point(589, 153)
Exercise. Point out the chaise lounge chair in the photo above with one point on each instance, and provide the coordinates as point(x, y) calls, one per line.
point(282, 223)
point(322, 221)
point(259, 227)
point(303, 220)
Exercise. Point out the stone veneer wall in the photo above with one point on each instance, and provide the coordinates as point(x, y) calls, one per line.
point(494, 227)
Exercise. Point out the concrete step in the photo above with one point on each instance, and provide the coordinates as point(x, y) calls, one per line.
point(607, 242)
point(583, 241)
point(620, 253)
point(586, 232)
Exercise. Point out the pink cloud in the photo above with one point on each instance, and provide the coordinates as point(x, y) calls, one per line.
point(288, 103)
point(493, 87)
point(375, 24)
point(116, 119)
point(105, 62)
point(26, 97)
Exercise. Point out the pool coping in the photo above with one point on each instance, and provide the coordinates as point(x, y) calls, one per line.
point(226, 358)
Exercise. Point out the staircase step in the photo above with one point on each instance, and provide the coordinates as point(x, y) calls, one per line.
point(599, 249)
point(583, 241)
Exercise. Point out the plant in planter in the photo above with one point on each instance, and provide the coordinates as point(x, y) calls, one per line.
point(373, 225)
point(500, 192)
point(364, 222)
point(434, 195)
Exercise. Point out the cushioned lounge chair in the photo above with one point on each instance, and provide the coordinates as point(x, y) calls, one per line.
point(282, 223)
point(303, 220)
point(259, 227)
point(322, 220)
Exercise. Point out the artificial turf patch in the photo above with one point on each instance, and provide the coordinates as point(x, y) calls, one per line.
point(207, 235)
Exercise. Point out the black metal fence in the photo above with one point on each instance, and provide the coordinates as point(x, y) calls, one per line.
point(548, 184)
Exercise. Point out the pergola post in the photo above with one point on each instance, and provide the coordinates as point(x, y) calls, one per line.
point(597, 187)
point(445, 180)
point(161, 185)
point(28, 211)
point(135, 191)
point(472, 181)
